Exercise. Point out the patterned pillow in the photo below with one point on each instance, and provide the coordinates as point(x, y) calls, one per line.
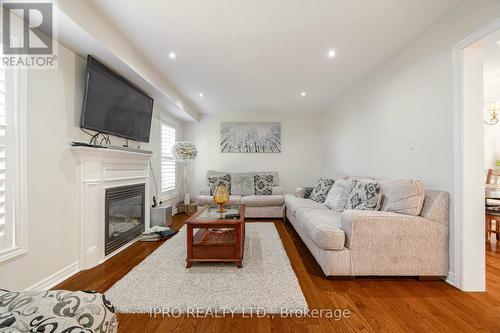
point(365, 195)
point(307, 193)
point(263, 184)
point(213, 182)
point(56, 311)
point(321, 189)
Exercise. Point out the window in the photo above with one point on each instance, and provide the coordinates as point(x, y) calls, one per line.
point(12, 169)
point(167, 159)
point(6, 232)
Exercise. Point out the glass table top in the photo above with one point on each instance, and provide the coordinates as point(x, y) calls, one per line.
point(210, 213)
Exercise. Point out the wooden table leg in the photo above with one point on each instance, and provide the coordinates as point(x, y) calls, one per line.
point(240, 244)
point(189, 248)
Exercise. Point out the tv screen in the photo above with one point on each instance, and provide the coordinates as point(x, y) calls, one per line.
point(113, 105)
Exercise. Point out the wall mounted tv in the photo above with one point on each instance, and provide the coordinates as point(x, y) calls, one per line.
point(113, 105)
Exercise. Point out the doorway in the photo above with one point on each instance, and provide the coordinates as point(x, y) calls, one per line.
point(470, 113)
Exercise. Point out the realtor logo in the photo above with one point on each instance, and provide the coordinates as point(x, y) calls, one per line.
point(37, 24)
point(28, 34)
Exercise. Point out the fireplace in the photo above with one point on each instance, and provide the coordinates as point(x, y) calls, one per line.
point(124, 214)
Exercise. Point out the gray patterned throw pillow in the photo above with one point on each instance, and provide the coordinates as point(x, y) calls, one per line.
point(321, 189)
point(56, 311)
point(263, 184)
point(307, 193)
point(213, 182)
point(365, 195)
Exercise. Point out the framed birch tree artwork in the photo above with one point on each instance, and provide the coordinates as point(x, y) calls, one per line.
point(248, 137)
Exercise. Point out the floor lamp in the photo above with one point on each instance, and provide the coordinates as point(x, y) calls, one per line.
point(184, 151)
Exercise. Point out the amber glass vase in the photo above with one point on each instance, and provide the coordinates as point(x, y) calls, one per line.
point(221, 197)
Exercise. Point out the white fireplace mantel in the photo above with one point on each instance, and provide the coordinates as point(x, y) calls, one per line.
point(100, 169)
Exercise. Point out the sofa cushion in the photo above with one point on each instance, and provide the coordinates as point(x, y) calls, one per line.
point(365, 195)
point(263, 184)
point(404, 196)
point(242, 183)
point(322, 227)
point(293, 204)
point(263, 200)
point(337, 197)
point(321, 189)
point(216, 180)
point(209, 200)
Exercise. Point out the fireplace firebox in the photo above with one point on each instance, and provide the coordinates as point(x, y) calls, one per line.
point(124, 215)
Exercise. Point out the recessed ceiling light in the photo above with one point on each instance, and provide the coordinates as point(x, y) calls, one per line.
point(332, 53)
point(172, 55)
point(303, 94)
point(201, 95)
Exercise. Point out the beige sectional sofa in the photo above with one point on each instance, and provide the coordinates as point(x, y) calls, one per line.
point(257, 206)
point(370, 243)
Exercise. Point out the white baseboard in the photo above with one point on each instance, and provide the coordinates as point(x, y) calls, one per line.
point(56, 278)
point(451, 279)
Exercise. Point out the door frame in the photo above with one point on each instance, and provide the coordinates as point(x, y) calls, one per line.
point(464, 277)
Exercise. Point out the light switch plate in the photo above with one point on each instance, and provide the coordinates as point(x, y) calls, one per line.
point(411, 144)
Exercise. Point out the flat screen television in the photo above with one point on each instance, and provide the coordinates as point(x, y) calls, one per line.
point(114, 105)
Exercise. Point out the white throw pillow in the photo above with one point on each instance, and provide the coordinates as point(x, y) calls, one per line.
point(242, 183)
point(337, 197)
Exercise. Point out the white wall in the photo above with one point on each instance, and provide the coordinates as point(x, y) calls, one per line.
point(410, 98)
point(54, 105)
point(299, 163)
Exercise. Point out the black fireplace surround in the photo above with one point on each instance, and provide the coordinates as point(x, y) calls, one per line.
point(124, 215)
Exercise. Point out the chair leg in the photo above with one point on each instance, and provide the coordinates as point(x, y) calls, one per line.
point(497, 223)
point(488, 226)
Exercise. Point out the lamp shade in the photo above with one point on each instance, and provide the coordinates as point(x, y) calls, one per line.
point(184, 151)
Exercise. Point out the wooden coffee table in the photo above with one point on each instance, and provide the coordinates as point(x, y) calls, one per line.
point(213, 237)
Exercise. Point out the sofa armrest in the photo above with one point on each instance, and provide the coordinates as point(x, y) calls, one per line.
point(383, 243)
point(278, 190)
point(300, 192)
point(205, 190)
point(370, 227)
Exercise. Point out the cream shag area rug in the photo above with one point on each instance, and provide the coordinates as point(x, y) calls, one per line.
point(266, 282)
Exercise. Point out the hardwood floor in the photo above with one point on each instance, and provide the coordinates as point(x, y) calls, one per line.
point(376, 305)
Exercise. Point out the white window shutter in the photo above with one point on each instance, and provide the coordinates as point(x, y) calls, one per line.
point(167, 161)
point(6, 236)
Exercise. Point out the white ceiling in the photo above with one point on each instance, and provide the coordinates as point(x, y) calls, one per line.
point(259, 55)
